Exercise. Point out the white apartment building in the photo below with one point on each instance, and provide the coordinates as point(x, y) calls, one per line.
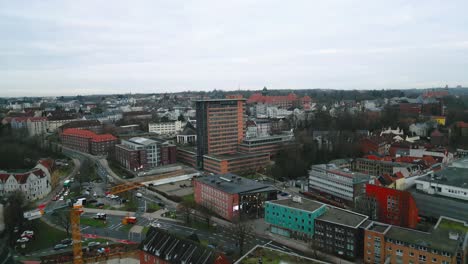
point(343, 184)
point(35, 184)
point(165, 127)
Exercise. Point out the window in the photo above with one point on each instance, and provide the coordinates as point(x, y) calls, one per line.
point(422, 258)
point(411, 254)
point(434, 260)
point(399, 252)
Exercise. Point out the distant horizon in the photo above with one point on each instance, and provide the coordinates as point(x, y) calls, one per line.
point(93, 47)
point(233, 90)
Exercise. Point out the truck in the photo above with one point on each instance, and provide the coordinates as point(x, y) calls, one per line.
point(129, 220)
point(67, 184)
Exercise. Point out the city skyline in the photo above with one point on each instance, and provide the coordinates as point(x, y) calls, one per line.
point(70, 48)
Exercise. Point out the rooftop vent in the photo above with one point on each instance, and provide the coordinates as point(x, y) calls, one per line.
point(218, 182)
point(297, 199)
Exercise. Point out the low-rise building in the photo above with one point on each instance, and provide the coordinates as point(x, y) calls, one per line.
point(162, 247)
point(293, 217)
point(339, 232)
point(450, 182)
point(266, 144)
point(235, 163)
point(232, 197)
point(381, 167)
point(165, 127)
point(445, 243)
point(88, 141)
point(35, 184)
point(188, 136)
point(341, 184)
point(187, 156)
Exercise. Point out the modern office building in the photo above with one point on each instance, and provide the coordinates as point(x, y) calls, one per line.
point(242, 163)
point(293, 217)
point(187, 156)
point(341, 185)
point(339, 232)
point(446, 242)
point(266, 144)
point(220, 126)
point(231, 196)
point(220, 130)
point(150, 146)
point(395, 207)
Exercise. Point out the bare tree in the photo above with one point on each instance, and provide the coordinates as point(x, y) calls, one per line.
point(241, 230)
point(62, 218)
point(186, 207)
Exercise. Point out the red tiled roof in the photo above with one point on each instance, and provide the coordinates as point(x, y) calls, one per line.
point(88, 134)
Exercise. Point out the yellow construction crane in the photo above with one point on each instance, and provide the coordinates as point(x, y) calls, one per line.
point(75, 213)
point(125, 187)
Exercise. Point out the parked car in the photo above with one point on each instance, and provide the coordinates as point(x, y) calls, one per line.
point(93, 243)
point(22, 240)
point(284, 194)
point(100, 205)
point(60, 246)
point(66, 241)
point(28, 233)
point(100, 216)
point(139, 195)
point(92, 201)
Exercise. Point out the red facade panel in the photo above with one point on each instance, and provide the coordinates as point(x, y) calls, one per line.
point(394, 207)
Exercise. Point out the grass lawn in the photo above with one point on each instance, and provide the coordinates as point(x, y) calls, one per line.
point(45, 237)
point(453, 225)
point(126, 228)
point(93, 222)
point(145, 229)
point(189, 198)
point(152, 207)
point(199, 225)
point(130, 206)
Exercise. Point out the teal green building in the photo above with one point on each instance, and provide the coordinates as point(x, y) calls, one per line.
point(293, 218)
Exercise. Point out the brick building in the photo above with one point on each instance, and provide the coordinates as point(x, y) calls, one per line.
point(379, 167)
point(373, 145)
point(88, 141)
point(446, 243)
point(220, 126)
point(220, 130)
point(236, 163)
point(231, 196)
point(187, 156)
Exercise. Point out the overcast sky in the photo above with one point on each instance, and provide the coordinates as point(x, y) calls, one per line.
point(88, 47)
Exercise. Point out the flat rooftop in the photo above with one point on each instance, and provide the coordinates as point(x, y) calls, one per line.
point(272, 256)
point(451, 176)
point(436, 206)
point(305, 204)
point(436, 239)
point(232, 183)
point(234, 156)
point(342, 217)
